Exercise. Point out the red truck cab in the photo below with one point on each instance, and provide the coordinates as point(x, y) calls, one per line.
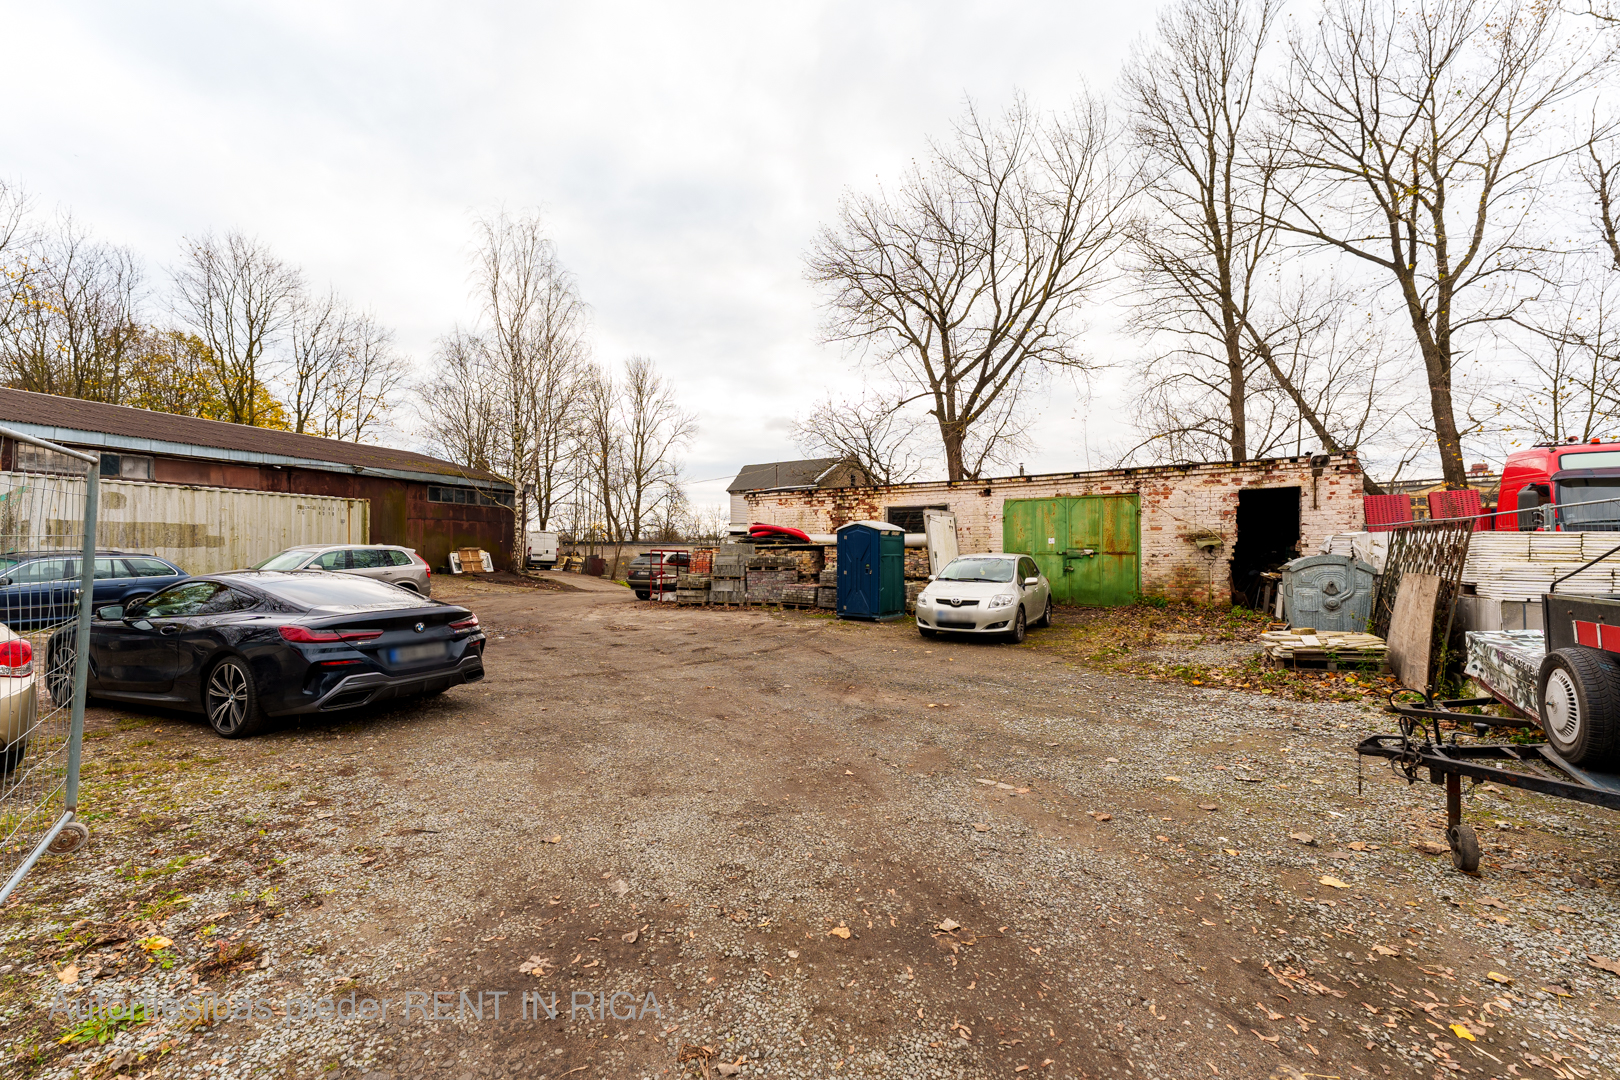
point(1582, 480)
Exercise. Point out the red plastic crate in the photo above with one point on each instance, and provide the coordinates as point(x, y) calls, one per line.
point(1385, 512)
point(1458, 504)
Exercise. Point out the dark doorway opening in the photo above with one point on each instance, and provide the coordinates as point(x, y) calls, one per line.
point(1267, 537)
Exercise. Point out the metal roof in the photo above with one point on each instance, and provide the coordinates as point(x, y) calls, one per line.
point(119, 427)
point(806, 473)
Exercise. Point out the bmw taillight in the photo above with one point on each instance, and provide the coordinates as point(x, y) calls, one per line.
point(304, 635)
point(16, 659)
point(469, 623)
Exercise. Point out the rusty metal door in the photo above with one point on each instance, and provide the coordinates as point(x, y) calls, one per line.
point(1089, 547)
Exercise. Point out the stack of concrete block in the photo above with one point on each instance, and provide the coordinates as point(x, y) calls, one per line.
point(727, 580)
point(827, 591)
point(692, 589)
point(913, 590)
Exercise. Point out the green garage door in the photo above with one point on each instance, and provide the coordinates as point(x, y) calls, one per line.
point(1059, 533)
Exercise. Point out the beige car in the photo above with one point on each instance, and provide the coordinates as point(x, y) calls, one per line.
point(19, 698)
point(396, 565)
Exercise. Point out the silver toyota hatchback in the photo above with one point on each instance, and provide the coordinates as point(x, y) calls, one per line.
point(400, 566)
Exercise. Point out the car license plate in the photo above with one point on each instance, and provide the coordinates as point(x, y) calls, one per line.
point(409, 654)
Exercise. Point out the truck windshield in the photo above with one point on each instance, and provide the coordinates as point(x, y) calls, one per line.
point(1590, 505)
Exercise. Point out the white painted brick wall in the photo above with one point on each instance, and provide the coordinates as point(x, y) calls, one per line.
point(1177, 502)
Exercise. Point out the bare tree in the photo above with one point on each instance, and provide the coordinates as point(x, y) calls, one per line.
point(1567, 383)
point(77, 331)
point(460, 409)
point(877, 436)
point(360, 397)
point(654, 428)
point(974, 274)
point(1417, 140)
point(238, 298)
point(316, 342)
point(16, 243)
point(1201, 251)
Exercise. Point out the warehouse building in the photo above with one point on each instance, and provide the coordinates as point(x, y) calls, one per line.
point(1199, 532)
point(806, 474)
point(410, 499)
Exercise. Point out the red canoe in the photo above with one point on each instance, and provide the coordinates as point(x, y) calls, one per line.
point(781, 532)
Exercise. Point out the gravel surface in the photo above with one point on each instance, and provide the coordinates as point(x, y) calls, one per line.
point(795, 847)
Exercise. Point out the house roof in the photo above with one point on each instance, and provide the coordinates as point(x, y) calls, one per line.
point(783, 474)
point(119, 427)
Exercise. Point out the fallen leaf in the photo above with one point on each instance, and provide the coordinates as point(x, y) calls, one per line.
point(1162, 839)
point(1269, 1014)
point(1229, 851)
point(979, 826)
point(1497, 976)
point(1333, 882)
point(1384, 950)
point(1302, 837)
point(793, 954)
point(1356, 845)
point(1265, 1038)
point(551, 840)
point(1429, 847)
point(948, 925)
point(153, 944)
point(1103, 817)
point(1174, 779)
point(839, 932)
point(848, 773)
point(1491, 901)
point(630, 938)
point(69, 974)
point(1208, 806)
point(1462, 1032)
point(1603, 963)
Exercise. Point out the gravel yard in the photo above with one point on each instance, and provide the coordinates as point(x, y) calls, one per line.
point(778, 845)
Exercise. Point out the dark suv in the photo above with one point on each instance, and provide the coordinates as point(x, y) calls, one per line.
point(642, 569)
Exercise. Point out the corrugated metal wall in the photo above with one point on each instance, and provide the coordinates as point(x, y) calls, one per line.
point(206, 529)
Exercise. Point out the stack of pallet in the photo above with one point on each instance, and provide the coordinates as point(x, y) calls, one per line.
point(1329, 649)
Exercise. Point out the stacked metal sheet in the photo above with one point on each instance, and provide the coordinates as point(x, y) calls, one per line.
point(1508, 663)
point(1520, 566)
point(1329, 649)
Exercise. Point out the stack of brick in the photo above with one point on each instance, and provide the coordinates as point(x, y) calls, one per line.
point(827, 591)
point(768, 575)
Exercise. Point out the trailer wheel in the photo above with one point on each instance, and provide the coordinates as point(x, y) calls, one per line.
point(1579, 695)
point(1464, 847)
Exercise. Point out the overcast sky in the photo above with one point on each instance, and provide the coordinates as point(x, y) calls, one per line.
point(683, 154)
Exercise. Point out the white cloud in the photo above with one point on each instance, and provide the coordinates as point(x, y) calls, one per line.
point(684, 155)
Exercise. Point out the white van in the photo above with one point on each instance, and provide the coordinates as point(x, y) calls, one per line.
point(542, 551)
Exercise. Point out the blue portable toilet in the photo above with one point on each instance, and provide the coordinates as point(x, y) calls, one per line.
point(871, 571)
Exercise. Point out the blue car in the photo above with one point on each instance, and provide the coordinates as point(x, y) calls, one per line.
point(41, 588)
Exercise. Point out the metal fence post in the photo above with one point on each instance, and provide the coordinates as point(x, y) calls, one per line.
point(81, 657)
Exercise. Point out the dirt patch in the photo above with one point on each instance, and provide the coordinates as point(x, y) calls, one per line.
point(803, 848)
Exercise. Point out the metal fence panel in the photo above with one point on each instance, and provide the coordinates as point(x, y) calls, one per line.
point(47, 573)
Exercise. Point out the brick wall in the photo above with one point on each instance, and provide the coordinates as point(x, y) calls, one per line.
point(1177, 503)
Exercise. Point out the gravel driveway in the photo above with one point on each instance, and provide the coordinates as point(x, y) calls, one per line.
point(777, 845)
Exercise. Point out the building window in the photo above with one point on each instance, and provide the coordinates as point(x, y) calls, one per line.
point(469, 496)
point(32, 458)
point(126, 466)
point(909, 518)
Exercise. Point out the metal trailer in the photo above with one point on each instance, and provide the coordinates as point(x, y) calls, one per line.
point(1577, 699)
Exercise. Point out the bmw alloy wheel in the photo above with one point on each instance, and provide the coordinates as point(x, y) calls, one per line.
point(232, 703)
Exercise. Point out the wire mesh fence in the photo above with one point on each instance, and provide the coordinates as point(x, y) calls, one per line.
point(47, 573)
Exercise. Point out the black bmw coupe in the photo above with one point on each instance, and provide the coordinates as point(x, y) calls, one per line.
point(243, 646)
